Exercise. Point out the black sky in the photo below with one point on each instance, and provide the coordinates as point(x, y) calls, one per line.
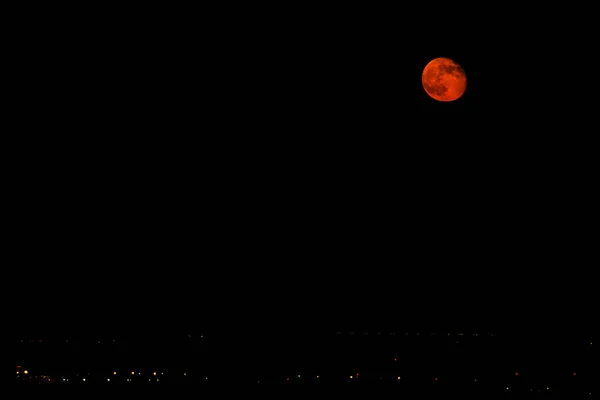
point(294, 161)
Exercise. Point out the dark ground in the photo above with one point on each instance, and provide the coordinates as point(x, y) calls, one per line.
point(464, 364)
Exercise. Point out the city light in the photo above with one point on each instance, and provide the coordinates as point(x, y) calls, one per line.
point(382, 369)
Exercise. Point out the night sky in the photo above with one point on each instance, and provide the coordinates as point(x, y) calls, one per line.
point(289, 170)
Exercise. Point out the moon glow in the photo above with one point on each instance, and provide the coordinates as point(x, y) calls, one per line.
point(444, 80)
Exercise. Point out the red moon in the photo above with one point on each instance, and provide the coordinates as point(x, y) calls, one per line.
point(444, 80)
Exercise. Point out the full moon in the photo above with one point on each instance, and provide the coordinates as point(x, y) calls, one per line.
point(444, 80)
